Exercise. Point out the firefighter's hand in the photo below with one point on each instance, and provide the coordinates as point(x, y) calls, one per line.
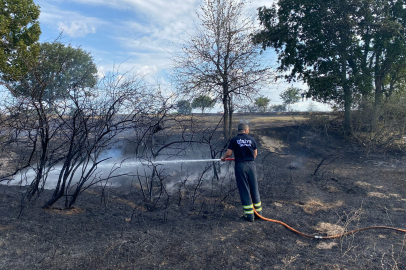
point(223, 159)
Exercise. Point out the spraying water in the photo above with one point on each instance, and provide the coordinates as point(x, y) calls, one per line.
point(137, 163)
point(104, 169)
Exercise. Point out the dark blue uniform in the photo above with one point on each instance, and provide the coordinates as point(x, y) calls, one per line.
point(243, 147)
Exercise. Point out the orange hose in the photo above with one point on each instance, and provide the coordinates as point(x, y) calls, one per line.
point(327, 237)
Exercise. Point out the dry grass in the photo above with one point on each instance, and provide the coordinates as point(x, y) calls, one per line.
point(332, 189)
point(227, 206)
point(4, 228)
point(271, 144)
point(301, 244)
point(92, 191)
point(377, 195)
point(68, 212)
point(329, 229)
point(397, 196)
point(129, 203)
point(399, 209)
point(289, 260)
point(367, 185)
point(324, 245)
point(363, 184)
point(314, 205)
point(278, 204)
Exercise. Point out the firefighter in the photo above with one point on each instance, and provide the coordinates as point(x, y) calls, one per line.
point(245, 151)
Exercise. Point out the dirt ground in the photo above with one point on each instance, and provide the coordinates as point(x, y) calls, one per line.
point(348, 190)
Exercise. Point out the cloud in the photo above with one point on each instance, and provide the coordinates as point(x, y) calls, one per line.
point(132, 67)
point(147, 70)
point(160, 19)
point(145, 44)
point(72, 23)
point(76, 28)
point(158, 10)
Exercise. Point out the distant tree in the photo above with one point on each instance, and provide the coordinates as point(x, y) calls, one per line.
point(61, 69)
point(262, 103)
point(220, 59)
point(312, 107)
point(184, 107)
point(278, 108)
point(290, 96)
point(19, 32)
point(203, 102)
point(248, 109)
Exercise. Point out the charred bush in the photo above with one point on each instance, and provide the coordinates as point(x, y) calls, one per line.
point(43, 134)
point(381, 128)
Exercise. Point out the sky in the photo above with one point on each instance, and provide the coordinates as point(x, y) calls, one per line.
point(137, 36)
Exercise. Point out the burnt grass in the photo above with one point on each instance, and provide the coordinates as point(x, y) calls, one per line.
point(116, 230)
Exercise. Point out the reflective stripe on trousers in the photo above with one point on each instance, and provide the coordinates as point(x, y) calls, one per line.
point(248, 209)
point(258, 206)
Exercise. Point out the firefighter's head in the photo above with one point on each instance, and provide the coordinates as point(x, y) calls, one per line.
point(243, 128)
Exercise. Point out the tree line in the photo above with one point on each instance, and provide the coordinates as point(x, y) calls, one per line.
point(289, 96)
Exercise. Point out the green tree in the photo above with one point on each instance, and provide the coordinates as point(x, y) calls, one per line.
point(19, 33)
point(278, 108)
point(388, 44)
point(203, 102)
point(184, 107)
point(341, 49)
point(290, 96)
point(248, 109)
point(220, 60)
point(394, 82)
point(262, 103)
point(313, 40)
point(60, 69)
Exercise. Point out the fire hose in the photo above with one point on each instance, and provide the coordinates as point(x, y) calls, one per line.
point(323, 237)
point(230, 159)
point(331, 236)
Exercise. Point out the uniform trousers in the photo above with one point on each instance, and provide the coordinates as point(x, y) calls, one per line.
point(246, 177)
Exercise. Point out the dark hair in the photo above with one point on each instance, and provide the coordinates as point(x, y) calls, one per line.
point(242, 127)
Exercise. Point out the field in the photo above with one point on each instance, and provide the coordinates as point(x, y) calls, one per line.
point(314, 181)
